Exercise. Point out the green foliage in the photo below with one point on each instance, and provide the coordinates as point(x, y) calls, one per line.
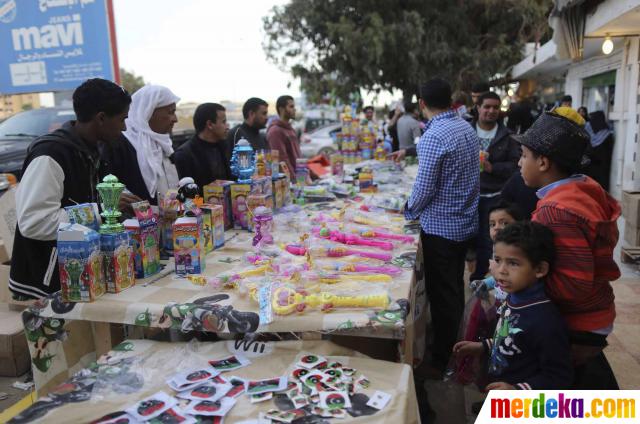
point(340, 46)
point(130, 81)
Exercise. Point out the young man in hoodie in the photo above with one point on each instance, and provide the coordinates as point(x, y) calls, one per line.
point(281, 136)
point(583, 218)
point(61, 169)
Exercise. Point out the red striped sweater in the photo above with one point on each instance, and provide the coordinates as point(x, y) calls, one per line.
point(583, 219)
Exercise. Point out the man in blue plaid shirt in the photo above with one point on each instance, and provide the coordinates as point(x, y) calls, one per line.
point(445, 199)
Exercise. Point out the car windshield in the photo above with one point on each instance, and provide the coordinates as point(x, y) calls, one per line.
point(35, 123)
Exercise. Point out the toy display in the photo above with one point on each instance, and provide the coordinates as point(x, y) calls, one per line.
point(80, 263)
point(170, 208)
point(263, 221)
point(239, 194)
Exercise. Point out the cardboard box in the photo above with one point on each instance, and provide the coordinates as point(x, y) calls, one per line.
point(8, 219)
point(213, 226)
point(239, 194)
point(207, 226)
point(119, 261)
point(147, 243)
point(631, 207)
point(631, 235)
point(84, 214)
point(219, 193)
point(188, 245)
point(14, 351)
point(80, 263)
point(169, 208)
point(261, 185)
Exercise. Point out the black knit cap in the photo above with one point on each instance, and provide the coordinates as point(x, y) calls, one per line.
point(558, 138)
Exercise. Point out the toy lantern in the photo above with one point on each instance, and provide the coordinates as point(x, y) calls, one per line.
point(110, 190)
point(243, 161)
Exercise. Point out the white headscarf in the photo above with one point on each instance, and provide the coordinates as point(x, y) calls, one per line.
point(151, 148)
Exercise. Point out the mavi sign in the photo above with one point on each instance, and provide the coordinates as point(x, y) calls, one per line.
point(52, 45)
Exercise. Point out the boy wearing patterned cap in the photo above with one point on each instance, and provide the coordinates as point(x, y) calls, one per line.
point(583, 219)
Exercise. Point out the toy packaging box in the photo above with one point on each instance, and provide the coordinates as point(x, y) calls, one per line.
point(219, 193)
point(85, 214)
point(188, 245)
point(170, 208)
point(119, 262)
point(255, 200)
point(80, 263)
point(261, 185)
point(213, 226)
point(149, 238)
point(207, 226)
point(366, 183)
point(279, 192)
point(239, 194)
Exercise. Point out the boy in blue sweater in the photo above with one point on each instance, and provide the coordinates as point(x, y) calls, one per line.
point(530, 347)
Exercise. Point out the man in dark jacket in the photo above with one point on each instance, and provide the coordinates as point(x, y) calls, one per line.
point(61, 169)
point(501, 154)
point(255, 116)
point(205, 157)
point(281, 135)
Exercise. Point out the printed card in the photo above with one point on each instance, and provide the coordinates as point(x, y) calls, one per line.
point(255, 387)
point(230, 363)
point(311, 361)
point(238, 386)
point(285, 416)
point(298, 373)
point(189, 379)
point(151, 407)
point(173, 416)
point(205, 407)
point(362, 383)
point(208, 391)
point(261, 397)
point(334, 400)
point(379, 400)
point(123, 418)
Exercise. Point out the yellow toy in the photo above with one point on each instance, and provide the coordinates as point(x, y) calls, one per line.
point(286, 300)
point(229, 281)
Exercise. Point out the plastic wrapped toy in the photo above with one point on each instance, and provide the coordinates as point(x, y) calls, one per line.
point(286, 300)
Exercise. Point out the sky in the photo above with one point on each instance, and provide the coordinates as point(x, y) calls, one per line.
point(203, 50)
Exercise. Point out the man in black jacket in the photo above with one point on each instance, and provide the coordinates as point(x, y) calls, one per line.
point(204, 157)
point(255, 116)
point(501, 154)
point(61, 169)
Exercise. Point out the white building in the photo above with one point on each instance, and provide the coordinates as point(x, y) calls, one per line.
point(599, 81)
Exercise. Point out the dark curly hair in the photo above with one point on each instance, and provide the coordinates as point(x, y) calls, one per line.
point(99, 95)
point(534, 239)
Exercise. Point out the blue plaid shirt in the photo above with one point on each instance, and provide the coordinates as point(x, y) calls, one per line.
point(447, 188)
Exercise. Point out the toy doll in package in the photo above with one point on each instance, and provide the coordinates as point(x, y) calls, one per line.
point(80, 263)
point(119, 262)
point(188, 245)
point(239, 194)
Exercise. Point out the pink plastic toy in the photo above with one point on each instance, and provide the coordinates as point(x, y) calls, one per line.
point(387, 236)
point(351, 239)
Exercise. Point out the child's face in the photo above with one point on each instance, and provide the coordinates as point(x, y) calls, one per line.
point(512, 269)
point(530, 168)
point(498, 219)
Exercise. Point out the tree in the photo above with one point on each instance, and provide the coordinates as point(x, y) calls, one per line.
point(341, 46)
point(130, 81)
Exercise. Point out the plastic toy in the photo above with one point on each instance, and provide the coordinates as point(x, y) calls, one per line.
point(352, 239)
point(336, 252)
point(287, 300)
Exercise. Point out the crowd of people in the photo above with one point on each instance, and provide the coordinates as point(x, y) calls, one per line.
point(522, 208)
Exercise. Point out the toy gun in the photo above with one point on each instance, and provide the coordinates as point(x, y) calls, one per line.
point(326, 278)
point(339, 267)
point(287, 300)
point(386, 236)
point(228, 281)
point(351, 239)
point(336, 252)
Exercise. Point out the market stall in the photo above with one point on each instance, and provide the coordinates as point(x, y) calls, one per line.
point(333, 266)
point(316, 380)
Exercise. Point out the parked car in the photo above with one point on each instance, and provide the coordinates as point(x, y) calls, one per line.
point(18, 131)
point(320, 141)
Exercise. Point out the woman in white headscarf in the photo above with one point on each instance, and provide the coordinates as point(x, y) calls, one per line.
point(143, 159)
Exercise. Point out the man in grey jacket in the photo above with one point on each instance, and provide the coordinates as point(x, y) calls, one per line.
point(408, 126)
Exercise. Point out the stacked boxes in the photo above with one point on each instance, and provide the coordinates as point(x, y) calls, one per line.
point(219, 193)
point(631, 213)
point(144, 239)
point(80, 263)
